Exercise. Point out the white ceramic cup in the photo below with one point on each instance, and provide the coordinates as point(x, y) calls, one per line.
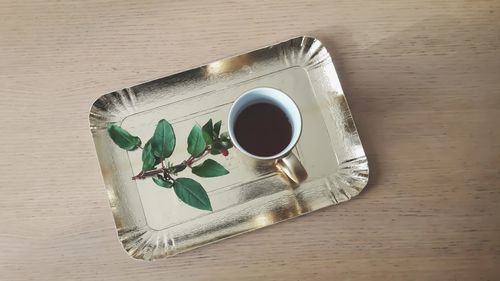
point(286, 161)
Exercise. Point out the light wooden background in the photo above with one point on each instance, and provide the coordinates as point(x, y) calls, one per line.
point(423, 82)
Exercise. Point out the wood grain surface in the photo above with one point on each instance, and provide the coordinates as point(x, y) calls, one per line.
point(423, 82)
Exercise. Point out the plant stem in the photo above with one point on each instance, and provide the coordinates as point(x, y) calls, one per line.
point(163, 170)
point(149, 173)
point(205, 153)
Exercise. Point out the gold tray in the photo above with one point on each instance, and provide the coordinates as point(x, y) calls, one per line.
point(152, 223)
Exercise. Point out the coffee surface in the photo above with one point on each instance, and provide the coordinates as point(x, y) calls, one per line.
point(263, 129)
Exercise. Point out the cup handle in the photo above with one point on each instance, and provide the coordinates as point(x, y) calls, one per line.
point(291, 167)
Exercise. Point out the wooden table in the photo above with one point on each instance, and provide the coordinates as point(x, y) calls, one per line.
point(423, 82)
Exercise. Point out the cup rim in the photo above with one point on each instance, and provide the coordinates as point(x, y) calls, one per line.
point(278, 155)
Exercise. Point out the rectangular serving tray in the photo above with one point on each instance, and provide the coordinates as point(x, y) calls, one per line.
point(153, 223)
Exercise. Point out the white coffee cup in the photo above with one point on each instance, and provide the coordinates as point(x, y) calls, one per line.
point(286, 161)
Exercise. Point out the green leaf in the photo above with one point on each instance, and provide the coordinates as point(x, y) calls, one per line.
point(208, 132)
point(214, 151)
point(196, 143)
point(161, 181)
point(217, 128)
point(178, 168)
point(226, 144)
point(209, 168)
point(225, 136)
point(148, 158)
point(192, 193)
point(123, 138)
point(163, 141)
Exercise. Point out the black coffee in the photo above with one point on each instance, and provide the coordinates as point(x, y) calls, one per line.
point(263, 129)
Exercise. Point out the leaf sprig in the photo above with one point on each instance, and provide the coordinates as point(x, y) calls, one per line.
point(157, 150)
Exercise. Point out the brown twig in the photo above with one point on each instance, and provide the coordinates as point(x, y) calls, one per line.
point(189, 160)
point(145, 174)
point(205, 153)
point(149, 173)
